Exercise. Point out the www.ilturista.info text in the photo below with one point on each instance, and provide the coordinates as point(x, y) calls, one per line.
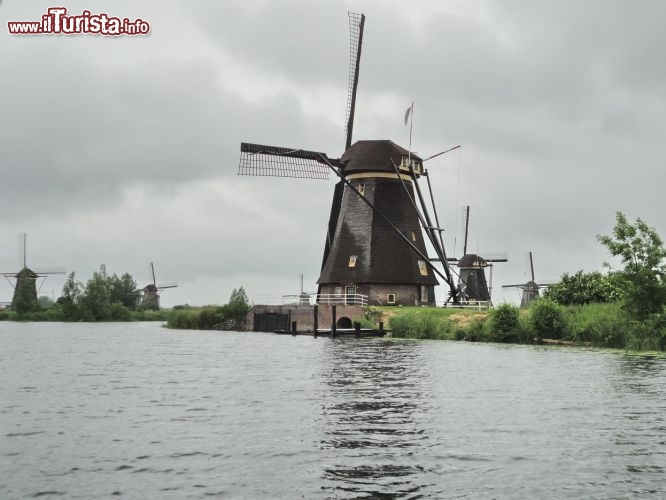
point(56, 21)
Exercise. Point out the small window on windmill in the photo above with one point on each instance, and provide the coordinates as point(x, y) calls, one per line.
point(404, 163)
point(424, 293)
point(352, 261)
point(361, 189)
point(390, 298)
point(412, 235)
point(338, 291)
point(423, 269)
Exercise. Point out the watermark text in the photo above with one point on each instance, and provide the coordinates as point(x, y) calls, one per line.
point(57, 22)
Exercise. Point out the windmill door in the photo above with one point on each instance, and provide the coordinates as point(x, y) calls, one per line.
point(350, 294)
point(268, 322)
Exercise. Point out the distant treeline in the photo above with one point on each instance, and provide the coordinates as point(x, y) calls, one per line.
point(103, 297)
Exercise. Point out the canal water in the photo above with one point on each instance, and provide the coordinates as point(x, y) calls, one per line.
point(139, 411)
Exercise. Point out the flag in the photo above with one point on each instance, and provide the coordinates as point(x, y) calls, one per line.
point(407, 113)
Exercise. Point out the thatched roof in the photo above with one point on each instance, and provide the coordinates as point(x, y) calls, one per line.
point(373, 156)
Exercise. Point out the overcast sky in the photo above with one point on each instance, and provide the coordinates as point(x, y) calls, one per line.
point(124, 150)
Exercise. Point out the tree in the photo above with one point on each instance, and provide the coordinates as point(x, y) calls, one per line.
point(44, 301)
point(71, 297)
point(124, 291)
point(238, 304)
point(97, 296)
point(585, 288)
point(644, 275)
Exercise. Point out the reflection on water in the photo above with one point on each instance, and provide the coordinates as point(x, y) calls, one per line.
point(372, 408)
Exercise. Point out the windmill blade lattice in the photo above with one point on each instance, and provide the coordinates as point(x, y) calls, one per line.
point(356, 23)
point(275, 161)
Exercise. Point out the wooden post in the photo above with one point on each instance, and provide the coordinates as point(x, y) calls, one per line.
point(315, 321)
point(357, 329)
point(381, 327)
point(334, 332)
point(293, 327)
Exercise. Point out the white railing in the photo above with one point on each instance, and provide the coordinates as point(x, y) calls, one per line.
point(283, 300)
point(355, 299)
point(470, 304)
point(310, 299)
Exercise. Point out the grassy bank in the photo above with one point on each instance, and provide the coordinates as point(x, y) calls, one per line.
point(57, 314)
point(599, 325)
point(206, 318)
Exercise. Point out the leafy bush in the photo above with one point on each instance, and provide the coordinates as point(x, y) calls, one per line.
point(603, 325)
point(547, 319)
point(149, 315)
point(421, 324)
point(476, 331)
point(184, 319)
point(366, 321)
point(585, 288)
point(504, 323)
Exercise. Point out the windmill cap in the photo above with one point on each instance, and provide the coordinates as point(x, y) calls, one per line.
point(374, 156)
point(472, 260)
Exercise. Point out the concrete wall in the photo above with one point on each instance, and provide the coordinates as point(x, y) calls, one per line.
point(304, 315)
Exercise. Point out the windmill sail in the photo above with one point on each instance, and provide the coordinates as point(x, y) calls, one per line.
point(356, 23)
point(275, 161)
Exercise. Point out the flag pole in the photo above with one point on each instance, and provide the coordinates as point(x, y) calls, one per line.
point(411, 125)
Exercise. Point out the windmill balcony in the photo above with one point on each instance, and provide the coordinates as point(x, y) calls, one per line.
point(312, 299)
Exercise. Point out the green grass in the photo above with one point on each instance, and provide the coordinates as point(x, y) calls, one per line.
point(604, 325)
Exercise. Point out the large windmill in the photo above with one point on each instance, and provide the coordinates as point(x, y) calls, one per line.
point(25, 280)
point(472, 275)
point(529, 290)
point(374, 243)
point(151, 292)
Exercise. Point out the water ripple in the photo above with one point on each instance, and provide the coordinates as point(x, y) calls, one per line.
point(95, 411)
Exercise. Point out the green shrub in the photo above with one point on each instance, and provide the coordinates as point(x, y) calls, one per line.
point(504, 323)
point(547, 319)
point(476, 331)
point(421, 324)
point(184, 319)
point(149, 315)
point(209, 316)
point(366, 321)
point(603, 325)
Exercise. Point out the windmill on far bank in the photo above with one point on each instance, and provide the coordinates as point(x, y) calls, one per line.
point(25, 284)
point(375, 248)
point(472, 276)
point(529, 290)
point(151, 292)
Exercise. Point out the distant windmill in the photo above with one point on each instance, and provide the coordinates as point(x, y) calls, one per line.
point(529, 290)
point(25, 285)
point(151, 292)
point(472, 276)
